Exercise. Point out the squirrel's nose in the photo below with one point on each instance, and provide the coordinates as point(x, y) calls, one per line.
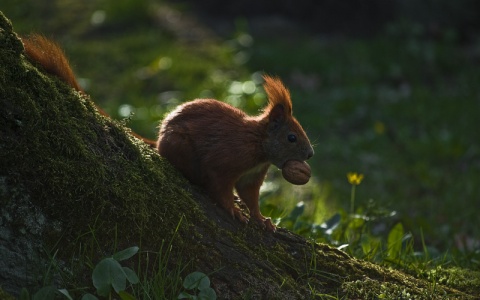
point(310, 153)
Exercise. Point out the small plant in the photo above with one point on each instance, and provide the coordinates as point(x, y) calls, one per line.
point(365, 231)
point(107, 274)
point(197, 283)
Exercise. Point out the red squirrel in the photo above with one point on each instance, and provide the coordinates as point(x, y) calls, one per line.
point(213, 144)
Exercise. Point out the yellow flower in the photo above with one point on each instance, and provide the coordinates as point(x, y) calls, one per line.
point(379, 127)
point(354, 178)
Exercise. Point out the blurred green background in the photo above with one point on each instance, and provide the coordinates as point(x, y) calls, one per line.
point(388, 89)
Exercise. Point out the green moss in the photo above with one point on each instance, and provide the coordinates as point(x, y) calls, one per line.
point(371, 289)
point(461, 279)
point(403, 286)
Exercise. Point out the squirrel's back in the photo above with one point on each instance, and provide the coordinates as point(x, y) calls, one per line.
point(207, 134)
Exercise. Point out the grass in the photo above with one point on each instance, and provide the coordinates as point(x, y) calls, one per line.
point(160, 274)
point(399, 107)
point(157, 281)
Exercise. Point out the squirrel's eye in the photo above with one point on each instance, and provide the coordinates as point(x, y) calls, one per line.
point(292, 138)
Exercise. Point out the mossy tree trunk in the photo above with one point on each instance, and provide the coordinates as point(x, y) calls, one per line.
point(74, 183)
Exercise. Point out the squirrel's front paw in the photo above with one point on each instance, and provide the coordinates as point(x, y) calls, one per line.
point(269, 226)
point(266, 223)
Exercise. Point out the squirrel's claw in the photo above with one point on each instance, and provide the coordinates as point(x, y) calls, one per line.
point(238, 214)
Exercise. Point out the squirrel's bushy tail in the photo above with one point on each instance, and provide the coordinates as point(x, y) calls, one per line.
point(48, 54)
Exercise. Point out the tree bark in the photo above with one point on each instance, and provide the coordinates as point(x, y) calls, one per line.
point(74, 183)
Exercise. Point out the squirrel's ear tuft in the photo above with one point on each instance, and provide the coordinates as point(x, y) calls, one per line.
point(278, 95)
